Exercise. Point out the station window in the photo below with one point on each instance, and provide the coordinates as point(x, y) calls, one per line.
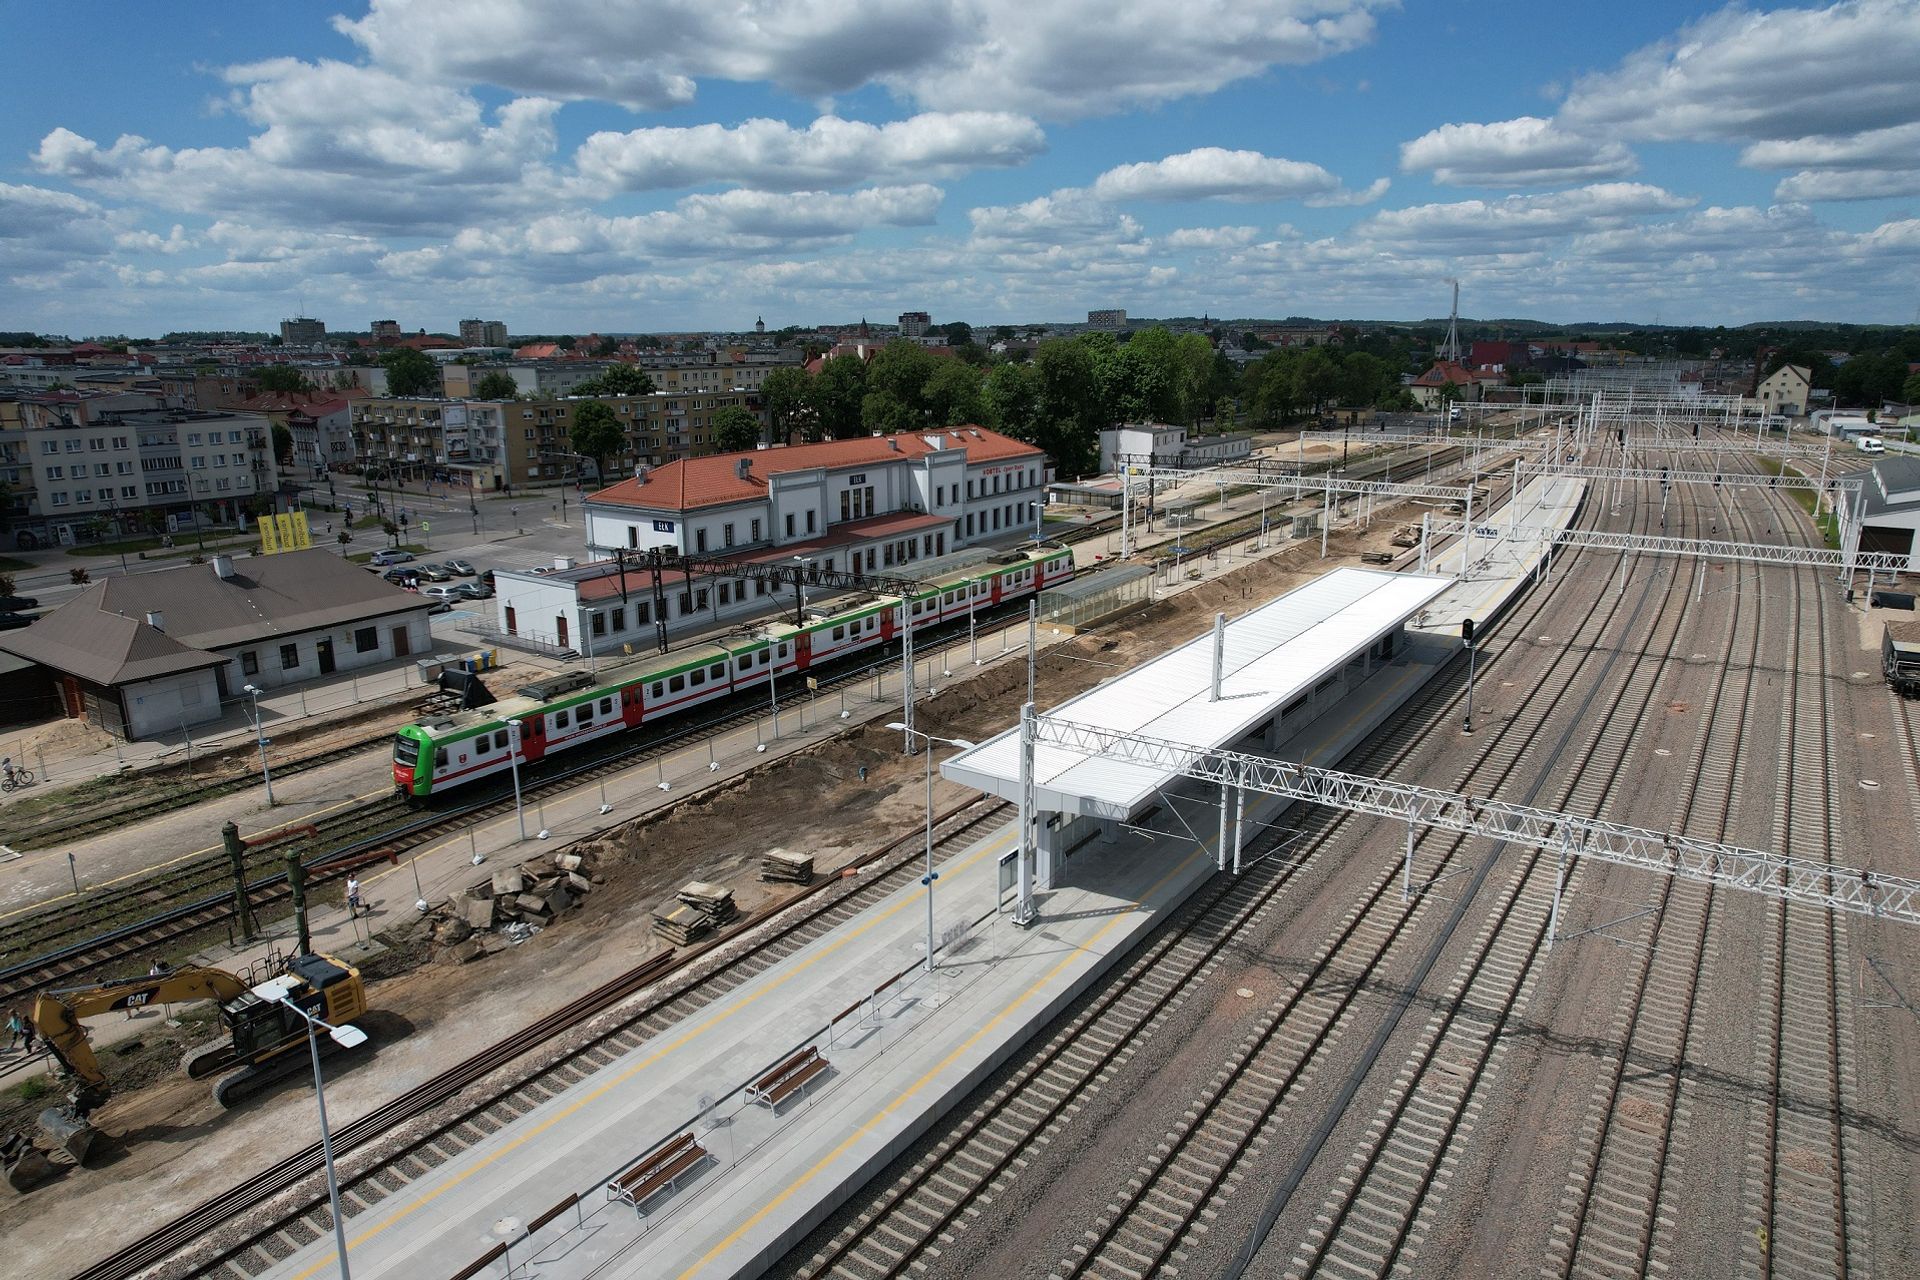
point(289, 656)
point(366, 639)
point(620, 617)
point(599, 623)
point(249, 663)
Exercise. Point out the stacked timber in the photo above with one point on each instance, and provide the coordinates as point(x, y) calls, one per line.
point(785, 866)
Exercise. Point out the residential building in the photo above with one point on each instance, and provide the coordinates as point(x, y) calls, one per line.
point(1786, 390)
point(303, 331)
point(483, 333)
point(488, 445)
point(1428, 388)
point(914, 324)
point(1112, 320)
point(145, 654)
point(878, 504)
point(384, 330)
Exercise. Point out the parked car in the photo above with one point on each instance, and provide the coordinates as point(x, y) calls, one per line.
point(14, 621)
point(402, 577)
point(474, 590)
point(14, 604)
point(391, 555)
point(441, 606)
point(486, 580)
point(460, 567)
point(445, 594)
point(435, 573)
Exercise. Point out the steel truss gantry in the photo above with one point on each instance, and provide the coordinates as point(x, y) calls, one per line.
point(1668, 475)
point(1317, 482)
point(1565, 835)
point(1763, 553)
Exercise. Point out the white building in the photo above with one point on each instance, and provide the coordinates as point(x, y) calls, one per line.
point(1162, 444)
point(868, 505)
point(1891, 515)
point(1785, 390)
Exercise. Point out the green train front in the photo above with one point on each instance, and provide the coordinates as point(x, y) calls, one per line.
point(411, 746)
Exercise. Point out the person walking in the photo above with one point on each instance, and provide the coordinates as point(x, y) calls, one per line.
point(353, 897)
point(16, 1027)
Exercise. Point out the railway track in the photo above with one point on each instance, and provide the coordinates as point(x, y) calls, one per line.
point(464, 1104)
point(927, 1203)
point(195, 898)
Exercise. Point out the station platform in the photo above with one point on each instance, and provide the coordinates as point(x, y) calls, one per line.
point(1490, 568)
point(902, 1047)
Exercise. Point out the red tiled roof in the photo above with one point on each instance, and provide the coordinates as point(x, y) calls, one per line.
point(1444, 372)
point(312, 402)
point(871, 529)
point(713, 480)
point(537, 351)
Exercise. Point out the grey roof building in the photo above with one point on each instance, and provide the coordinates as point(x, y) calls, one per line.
point(143, 654)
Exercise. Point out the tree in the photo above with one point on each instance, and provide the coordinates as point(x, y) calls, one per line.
point(1910, 392)
point(620, 380)
point(884, 412)
point(282, 444)
point(392, 530)
point(835, 396)
point(596, 434)
point(954, 394)
point(901, 371)
point(282, 378)
point(6, 584)
point(785, 394)
point(410, 373)
point(496, 386)
point(735, 428)
point(959, 333)
point(1013, 400)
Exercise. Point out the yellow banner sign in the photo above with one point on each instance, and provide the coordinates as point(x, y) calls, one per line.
point(286, 531)
point(269, 536)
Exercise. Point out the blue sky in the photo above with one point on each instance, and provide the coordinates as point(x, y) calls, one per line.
point(570, 166)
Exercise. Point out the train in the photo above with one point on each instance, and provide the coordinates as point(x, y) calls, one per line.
point(434, 756)
point(1900, 657)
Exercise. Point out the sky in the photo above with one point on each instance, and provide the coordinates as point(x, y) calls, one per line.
point(661, 165)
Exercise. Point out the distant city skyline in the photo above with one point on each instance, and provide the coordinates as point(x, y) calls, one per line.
point(696, 164)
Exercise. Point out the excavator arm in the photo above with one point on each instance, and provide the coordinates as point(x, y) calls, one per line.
point(57, 1016)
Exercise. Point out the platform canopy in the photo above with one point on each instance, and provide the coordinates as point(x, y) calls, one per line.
point(1273, 654)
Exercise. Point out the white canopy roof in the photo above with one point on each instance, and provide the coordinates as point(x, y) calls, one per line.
point(1274, 654)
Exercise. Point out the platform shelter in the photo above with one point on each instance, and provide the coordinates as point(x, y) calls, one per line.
point(1264, 676)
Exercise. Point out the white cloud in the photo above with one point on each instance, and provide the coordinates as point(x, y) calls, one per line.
point(1516, 222)
point(1211, 237)
point(1739, 75)
point(1063, 59)
point(42, 229)
point(1213, 173)
point(423, 159)
point(831, 152)
point(1071, 215)
point(1527, 152)
point(1873, 163)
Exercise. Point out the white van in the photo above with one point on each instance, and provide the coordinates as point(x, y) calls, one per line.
point(1870, 444)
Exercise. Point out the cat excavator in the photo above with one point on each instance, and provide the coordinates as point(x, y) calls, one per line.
point(259, 1046)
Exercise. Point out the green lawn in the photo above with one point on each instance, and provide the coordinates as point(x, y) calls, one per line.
point(1828, 523)
point(12, 564)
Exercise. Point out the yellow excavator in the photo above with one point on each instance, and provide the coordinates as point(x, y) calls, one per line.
point(259, 1046)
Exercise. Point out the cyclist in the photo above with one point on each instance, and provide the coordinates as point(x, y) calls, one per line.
point(6, 767)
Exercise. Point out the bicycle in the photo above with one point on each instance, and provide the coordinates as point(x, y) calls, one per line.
point(15, 779)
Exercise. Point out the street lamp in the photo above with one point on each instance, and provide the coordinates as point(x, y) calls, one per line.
point(347, 1037)
point(931, 875)
point(260, 733)
point(1037, 507)
point(800, 583)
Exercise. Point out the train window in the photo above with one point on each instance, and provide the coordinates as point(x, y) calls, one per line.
point(718, 671)
point(698, 677)
point(783, 648)
point(606, 706)
point(677, 683)
point(583, 713)
point(499, 739)
point(560, 719)
point(440, 758)
point(659, 690)
point(743, 662)
point(840, 632)
point(766, 656)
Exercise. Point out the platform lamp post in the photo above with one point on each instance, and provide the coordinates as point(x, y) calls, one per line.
point(347, 1037)
point(1466, 635)
point(513, 762)
point(260, 735)
point(931, 875)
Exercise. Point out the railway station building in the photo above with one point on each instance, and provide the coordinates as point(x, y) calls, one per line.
point(875, 505)
point(145, 654)
point(1890, 519)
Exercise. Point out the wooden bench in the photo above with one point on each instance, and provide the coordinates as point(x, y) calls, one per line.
point(789, 1078)
point(661, 1169)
